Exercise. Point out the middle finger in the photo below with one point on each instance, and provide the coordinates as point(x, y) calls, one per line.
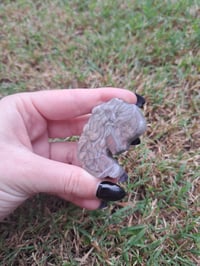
point(65, 152)
point(67, 128)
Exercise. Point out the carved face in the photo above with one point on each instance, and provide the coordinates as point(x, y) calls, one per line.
point(131, 127)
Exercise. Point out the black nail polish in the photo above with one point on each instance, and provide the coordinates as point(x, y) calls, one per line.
point(136, 142)
point(140, 100)
point(123, 178)
point(109, 191)
point(103, 205)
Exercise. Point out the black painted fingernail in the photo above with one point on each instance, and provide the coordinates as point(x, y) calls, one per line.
point(109, 191)
point(103, 205)
point(123, 178)
point(136, 142)
point(140, 100)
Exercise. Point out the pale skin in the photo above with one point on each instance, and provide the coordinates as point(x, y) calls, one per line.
point(29, 163)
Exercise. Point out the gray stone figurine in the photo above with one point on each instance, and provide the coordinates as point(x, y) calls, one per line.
point(111, 129)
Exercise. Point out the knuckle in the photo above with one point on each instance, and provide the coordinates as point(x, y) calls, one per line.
point(72, 183)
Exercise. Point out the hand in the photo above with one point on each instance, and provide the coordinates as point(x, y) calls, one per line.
point(30, 164)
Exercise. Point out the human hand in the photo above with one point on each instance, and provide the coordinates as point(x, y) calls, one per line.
point(30, 164)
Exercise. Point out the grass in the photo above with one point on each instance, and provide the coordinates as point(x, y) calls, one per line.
point(148, 46)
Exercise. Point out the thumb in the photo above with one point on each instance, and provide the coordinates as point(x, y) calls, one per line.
point(34, 174)
point(29, 174)
point(71, 183)
point(60, 178)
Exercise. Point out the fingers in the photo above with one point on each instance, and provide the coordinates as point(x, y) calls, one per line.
point(65, 152)
point(66, 128)
point(64, 104)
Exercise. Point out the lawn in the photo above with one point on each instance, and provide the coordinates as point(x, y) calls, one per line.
point(148, 46)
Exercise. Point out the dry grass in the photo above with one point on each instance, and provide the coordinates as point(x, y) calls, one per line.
point(145, 45)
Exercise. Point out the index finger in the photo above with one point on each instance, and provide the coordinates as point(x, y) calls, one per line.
point(69, 103)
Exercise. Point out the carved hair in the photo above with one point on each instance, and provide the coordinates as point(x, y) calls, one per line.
point(110, 130)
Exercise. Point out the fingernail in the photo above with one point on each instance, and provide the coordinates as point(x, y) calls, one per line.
point(136, 142)
point(140, 100)
point(109, 191)
point(103, 205)
point(123, 178)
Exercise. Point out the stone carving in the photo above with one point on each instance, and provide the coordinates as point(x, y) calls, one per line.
point(111, 129)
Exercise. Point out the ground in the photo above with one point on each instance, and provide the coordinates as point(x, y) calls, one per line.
point(148, 46)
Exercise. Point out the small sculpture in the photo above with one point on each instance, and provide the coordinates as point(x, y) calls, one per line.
point(111, 129)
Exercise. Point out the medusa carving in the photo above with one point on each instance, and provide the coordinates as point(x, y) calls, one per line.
point(111, 129)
